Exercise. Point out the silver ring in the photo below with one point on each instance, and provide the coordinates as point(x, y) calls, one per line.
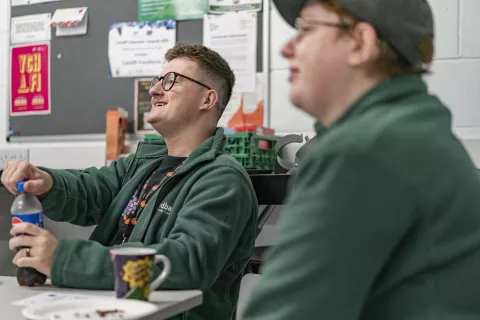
point(28, 252)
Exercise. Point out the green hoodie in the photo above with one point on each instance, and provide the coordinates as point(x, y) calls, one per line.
point(209, 233)
point(382, 220)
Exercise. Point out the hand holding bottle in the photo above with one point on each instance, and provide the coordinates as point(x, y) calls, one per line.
point(37, 181)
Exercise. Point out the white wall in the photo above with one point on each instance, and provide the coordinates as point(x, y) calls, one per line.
point(4, 46)
point(456, 71)
point(456, 79)
point(283, 116)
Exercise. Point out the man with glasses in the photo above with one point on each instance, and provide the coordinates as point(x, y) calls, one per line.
point(383, 218)
point(182, 196)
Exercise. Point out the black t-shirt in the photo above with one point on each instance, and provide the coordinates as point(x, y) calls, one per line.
point(131, 213)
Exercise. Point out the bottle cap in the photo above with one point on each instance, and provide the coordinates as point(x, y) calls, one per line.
point(20, 186)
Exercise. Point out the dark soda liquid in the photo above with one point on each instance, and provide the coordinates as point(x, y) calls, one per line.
point(29, 276)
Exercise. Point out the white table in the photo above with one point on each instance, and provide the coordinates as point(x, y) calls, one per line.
point(170, 302)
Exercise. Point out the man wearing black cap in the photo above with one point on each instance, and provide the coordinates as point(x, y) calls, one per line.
point(383, 219)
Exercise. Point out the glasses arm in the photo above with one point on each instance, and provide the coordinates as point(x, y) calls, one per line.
point(197, 82)
point(341, 25)
point(156, 80)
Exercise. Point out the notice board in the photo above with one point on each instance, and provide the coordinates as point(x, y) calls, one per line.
point(81, 88)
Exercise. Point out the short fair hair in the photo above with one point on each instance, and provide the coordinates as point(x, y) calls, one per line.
point(216, 70)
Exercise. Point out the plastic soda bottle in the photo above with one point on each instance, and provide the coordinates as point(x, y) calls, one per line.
point(27, 208)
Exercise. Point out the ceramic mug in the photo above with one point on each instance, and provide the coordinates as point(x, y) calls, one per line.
point(133, 272)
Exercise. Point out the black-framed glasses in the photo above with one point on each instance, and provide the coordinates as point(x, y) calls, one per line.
point(169, 79)
point(300, 23)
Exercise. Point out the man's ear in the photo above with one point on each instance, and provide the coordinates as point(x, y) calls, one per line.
point(210, 100)
point(364, 50)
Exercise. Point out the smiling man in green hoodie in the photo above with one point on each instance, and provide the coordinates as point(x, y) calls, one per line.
point(182, 196)
point(383, 218)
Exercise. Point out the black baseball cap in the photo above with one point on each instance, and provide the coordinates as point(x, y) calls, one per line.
point(403, 24)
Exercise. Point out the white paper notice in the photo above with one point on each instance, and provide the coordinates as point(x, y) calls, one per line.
point(32, 28)
point(223, 6)
point(234, 37)
point(138, 48)
point(247, 103)
point(70, 21)
point(68, 16)
point(26, 2)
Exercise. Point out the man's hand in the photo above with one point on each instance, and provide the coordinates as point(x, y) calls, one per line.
point(42, 245)
point(38, 182)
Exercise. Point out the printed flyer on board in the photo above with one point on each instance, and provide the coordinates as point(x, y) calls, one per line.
point(137, 49)
point(234, 37)
point(151, 10)
point(31, 28)
point(223, 6)
point(30, 80)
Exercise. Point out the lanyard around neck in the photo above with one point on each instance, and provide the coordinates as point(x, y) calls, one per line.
point(144, 196)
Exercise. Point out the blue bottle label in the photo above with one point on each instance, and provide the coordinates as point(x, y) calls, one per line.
point(33, 218)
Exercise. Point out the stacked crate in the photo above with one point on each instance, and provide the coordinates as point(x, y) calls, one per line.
point(251, 150)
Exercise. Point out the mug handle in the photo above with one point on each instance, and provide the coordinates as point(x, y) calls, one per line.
point(167, 267)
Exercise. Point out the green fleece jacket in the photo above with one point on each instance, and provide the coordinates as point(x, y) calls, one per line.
point(382, 220)
point(208, 234)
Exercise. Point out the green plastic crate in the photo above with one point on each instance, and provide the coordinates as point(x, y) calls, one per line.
point(251, 150)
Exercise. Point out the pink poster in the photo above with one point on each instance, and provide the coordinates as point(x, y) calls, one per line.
point(30, 79)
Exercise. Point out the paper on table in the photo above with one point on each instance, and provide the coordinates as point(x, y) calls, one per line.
point(51, 296)
point(234, 37)
point(85, 313)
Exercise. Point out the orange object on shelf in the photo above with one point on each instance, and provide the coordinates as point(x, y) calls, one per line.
point(240, 118)
point(116, 129)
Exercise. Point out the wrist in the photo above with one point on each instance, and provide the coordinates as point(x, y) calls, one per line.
point(48, 185)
